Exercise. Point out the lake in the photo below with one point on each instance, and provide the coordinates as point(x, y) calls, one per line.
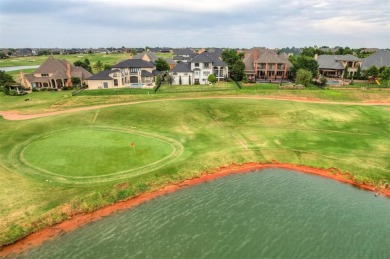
point(8, 69)
point(274, 213)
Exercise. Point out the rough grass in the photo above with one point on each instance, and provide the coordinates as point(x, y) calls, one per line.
point(213, 133)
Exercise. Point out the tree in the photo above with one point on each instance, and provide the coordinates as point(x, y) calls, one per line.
point(358, 72)
point(385, 75)
point(162, 65)
point(106, 67)
point(212, 78)
point(5, 79)
point(98, 66)
point(238, 70)
point(179, 80)
point(307, 63)
point(372, 71)
point(303, 77)
point(230, 56)
point(75, 81)
point(189, 79)
point(84, 64)
point(3, 55)
point(158, 80)
point(346, 72)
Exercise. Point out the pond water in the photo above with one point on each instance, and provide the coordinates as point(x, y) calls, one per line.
point(274, 213)
point(8, 69)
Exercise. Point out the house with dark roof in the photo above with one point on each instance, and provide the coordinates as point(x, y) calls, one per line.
point(183, 55)
point(182, 74)
point(147, 56)
point(198, 70)
point(335, 65)
point(381, 58)
point(54, 73)
point(266, 64)
point(127, 73)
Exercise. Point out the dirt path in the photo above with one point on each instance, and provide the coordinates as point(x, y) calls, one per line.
point(14, 115)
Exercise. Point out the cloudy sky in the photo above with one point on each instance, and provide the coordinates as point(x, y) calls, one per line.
point(195, 23)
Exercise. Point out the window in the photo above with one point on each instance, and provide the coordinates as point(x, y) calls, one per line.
point(115, 82)
point(133, 70)
point(206, 73)
point(206, 65)
point(196, 73)
point(196, 64)
point(44, 75)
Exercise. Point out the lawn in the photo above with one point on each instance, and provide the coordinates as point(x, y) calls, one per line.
point(193, 135)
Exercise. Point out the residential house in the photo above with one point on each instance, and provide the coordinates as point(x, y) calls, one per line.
point(381, 58)
point(198, 70)
point(147, 56)
point(127, 73)
point(54, 73)
point(266, 64)
point(335, 65)
point(182, 74)
point(183, 55)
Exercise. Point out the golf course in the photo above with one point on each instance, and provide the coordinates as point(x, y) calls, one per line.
point(62, 155)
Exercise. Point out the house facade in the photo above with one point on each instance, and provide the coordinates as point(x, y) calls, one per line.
point(127, 73)
point(198, 70)
point(334, 66)
point(54, 73)
point(266, 64)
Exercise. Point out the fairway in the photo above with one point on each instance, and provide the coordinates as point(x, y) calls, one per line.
point(86, 159)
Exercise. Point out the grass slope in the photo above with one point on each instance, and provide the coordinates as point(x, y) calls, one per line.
point(213, 133)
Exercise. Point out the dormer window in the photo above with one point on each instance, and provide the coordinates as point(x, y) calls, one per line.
point(196, 64)
point(44, 75)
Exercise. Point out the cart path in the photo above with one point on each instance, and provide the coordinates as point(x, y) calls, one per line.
point(15, 115)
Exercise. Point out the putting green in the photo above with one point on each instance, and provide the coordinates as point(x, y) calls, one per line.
point(95, 154)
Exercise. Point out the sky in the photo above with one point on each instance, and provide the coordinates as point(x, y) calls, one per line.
point(194, 23)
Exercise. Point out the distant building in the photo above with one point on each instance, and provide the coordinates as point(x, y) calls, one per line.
point(183, 55)
point(54, 73)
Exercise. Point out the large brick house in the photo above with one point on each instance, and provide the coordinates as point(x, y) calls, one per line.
point(54, 73)
point(266, 64)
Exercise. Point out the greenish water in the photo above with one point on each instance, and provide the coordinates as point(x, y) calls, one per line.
point(269, 214)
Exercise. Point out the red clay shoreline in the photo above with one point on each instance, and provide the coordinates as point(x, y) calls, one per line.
point(76, 221)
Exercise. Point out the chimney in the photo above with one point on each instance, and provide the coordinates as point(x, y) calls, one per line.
point(255, 57)
point(69, 81)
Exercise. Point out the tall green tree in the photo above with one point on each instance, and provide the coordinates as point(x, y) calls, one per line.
point(230, 57)
point(303, 77)
point(237, 71)
point(162, 65)
point(98, 66)
point(304, 62)
point(346, 72)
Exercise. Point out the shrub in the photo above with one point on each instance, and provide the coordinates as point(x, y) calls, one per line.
point(212, 78)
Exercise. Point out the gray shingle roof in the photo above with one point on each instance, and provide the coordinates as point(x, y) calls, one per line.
point(150, 55)
point(134, 63)
point(210, 58)
point(182, 68)
point(333, 61)
point(379, 59)
point(183, 52)
point(145, 73)
point(104, 75)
